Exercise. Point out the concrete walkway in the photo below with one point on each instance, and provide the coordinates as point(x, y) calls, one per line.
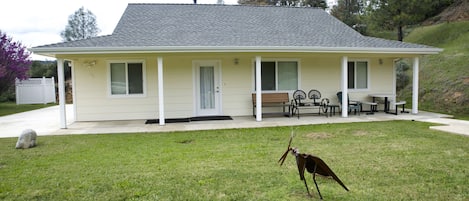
point(46, 122)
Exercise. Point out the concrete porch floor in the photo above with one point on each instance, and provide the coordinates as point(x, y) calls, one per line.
point(46, 122)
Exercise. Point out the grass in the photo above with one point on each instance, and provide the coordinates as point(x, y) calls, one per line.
point(7, 108)
point(396, 160)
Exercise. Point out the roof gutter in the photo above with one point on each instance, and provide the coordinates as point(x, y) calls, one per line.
point(52, 51)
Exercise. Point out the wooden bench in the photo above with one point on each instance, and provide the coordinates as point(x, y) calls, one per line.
point(272, 100)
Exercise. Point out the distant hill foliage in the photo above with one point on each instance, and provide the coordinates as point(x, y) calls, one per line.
point(444, 78)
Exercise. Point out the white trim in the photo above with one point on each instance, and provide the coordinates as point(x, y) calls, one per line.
point(62, 101)
point(344, 86)
point(52, 51)
point(394, 79)
point(161, 113)
point(355, 73)
point(258, 86)
point(276, 60)
point(415, 86)
point(127, 95)
point(217, 82)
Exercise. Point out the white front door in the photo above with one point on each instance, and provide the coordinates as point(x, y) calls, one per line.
point(207, 88)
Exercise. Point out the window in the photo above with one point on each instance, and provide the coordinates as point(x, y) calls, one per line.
point(357, 74)
point(127, 78)
point(279, 75)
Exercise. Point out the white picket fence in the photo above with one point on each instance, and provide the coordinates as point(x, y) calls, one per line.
point(35, 91)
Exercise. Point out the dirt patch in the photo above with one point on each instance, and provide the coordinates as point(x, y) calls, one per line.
point(318, 135)
point(466, 81)
point(360, 133)
point(456, 95)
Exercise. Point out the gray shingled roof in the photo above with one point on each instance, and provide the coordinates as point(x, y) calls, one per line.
point(160, 27)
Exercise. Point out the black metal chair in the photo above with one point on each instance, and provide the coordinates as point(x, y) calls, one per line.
point(352, 105)
point(298, 100)
point(314, 95)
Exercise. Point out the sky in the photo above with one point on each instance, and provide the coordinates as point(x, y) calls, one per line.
point(39, 22)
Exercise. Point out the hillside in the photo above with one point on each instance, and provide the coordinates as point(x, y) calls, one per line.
point(458, 11)
point(444, 78)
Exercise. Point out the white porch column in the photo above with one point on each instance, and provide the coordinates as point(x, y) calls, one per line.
point(258, 89)
point(160, 92)
point(62, 101)
point(415, 86)
point(344, 86)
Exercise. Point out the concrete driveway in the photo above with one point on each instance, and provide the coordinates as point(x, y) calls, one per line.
point(46, 122)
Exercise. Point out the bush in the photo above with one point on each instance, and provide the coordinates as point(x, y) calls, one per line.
point(402, 78)
point(8, 96)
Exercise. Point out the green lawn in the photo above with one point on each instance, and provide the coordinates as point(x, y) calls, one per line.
point(396, 160)
point(7, 108)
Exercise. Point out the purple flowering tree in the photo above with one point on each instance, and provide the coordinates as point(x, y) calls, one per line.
point(14, 62)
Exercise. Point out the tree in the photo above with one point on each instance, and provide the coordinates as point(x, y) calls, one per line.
point(293, 3)
point(396, 14)
point(14, 62)
point(257, 2)
point(81, 25)
point(350, 12)
point(44, 69)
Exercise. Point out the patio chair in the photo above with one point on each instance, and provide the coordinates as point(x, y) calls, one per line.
point(352, 105)
point(314, 95)
point(299, 97)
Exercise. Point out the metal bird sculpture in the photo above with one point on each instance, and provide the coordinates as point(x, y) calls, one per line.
point(312, 164)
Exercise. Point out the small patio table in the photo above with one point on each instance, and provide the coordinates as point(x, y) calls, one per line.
point(385, 96)
point(332, 109)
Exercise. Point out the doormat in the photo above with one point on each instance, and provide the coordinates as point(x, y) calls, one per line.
point(210, 118)
point(176, 120)
point(182, 120)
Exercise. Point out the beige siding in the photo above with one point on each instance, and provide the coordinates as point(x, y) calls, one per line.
point(93, 100)
point(178, 87)
point(317, 71)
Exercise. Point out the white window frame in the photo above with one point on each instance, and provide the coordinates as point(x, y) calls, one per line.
point(298, 66)
point(127, 95)
point(355, 75)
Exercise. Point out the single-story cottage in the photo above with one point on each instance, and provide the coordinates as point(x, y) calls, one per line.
point(182, 60)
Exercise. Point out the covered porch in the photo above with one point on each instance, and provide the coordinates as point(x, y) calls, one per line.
point(339, 76)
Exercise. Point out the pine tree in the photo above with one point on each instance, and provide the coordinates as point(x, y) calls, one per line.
point(81, 25)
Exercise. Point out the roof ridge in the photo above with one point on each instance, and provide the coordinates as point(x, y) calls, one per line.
point(227, 5)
